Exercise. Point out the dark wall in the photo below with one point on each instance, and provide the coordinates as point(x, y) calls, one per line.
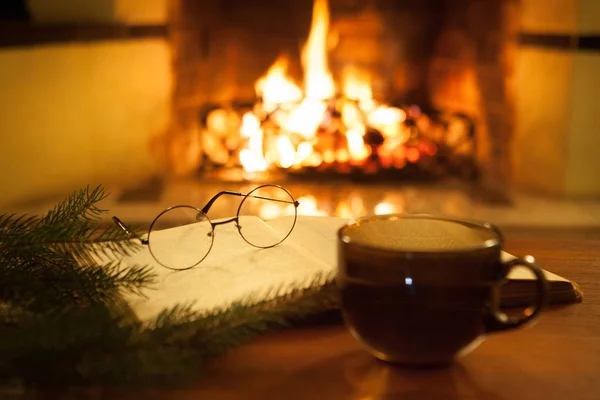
point(13, 10)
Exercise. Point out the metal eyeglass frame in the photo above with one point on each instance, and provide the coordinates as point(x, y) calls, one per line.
point(202, 214)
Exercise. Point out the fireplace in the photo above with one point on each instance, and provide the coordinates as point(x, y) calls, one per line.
point(364, 89)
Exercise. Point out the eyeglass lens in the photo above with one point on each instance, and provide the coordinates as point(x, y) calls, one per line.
point(267, 202)
point(181, 237)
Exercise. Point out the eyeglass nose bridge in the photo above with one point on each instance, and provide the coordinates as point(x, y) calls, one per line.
point(202, 216)
point(234, 219)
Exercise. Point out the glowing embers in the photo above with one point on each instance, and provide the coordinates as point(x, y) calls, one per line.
point(339, 136)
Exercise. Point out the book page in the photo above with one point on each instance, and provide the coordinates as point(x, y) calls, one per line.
point(317, 235)
point(232, 270)
point(523, 273)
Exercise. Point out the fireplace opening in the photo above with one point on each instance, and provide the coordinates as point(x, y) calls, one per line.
point(345, 89)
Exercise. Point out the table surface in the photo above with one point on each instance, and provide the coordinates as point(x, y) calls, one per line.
point(558, 357)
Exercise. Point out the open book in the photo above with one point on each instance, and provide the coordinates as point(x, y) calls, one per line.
point(233, 269)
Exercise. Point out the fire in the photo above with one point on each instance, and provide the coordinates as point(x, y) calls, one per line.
point(306, 118)
point(275, 87)
point(356, 144)
point(387, 120)
point(286, 150)
point(250, 126)
point(251, 157)
point(384, 208)
point(318, 81)
point(357, 85)
point(315, 125)
point(305, 150)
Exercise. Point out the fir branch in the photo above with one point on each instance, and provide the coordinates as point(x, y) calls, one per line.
point(64, 258)
point(83, 240)
point(39, 285)
point(232, 326)
point(80, 206)
point(173, 347)
point(48, 348)
point(69, 228)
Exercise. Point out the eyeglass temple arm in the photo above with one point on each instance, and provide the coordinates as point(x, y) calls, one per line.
point(216, 196)
point(127, 231)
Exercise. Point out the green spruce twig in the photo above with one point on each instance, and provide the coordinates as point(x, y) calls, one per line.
point(63, 258)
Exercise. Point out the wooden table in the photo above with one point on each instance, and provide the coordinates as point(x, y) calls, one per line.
point(556, 358)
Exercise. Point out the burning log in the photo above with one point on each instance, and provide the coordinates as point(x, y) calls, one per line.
point(341, 143)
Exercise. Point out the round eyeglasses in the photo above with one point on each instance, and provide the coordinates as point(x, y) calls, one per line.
point(181, 237)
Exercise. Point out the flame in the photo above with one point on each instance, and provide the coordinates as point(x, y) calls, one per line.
point(387, 120)
point(357, 85)
point(384, 208)
point(356, 144)
point(342, 155)
point(351, 115)
point(314, 160)
point(344, 211)
point(275, 87)
point(413, 155)
point(306, 118)
point(251, 163)
point(328, 156)
point(318, 82)
point(250, 125)
point(384, 115)
point(251, 157)
point(286, 150)
point(305, 150)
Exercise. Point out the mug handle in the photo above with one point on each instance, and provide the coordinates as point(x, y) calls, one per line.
point(499, 321)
